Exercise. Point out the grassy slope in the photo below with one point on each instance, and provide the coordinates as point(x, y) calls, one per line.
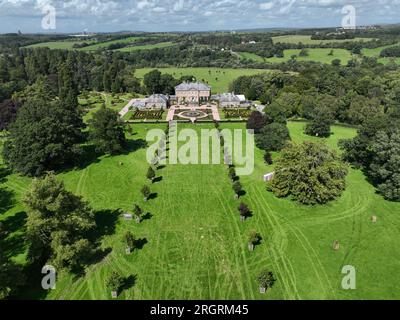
point(218, 78)
point(146, 47)
point(307, 39)
point(376, 53)
point(251, 56)
point(65, 45)
point(318, 55)
point(197, 246)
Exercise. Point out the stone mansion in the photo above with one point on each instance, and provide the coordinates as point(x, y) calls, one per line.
point(193, 93)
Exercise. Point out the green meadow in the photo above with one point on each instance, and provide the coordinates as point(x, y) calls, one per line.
point(251, 56)
point(63, 45)
point(218, 78)
point(376, 54)
point(315, 54)
point(307, 39)
point(193, 243)
point(146, 47)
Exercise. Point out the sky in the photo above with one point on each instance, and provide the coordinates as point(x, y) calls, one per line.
point(75, 16)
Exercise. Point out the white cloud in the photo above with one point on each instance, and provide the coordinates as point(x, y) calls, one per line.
point(266, 5)
point(110, 15)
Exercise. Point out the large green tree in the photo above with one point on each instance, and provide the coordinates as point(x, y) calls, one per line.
point(106, 131)
point(310, 173)
point(58, 224)
point(44, 136)
point(320, 125)
point(273, 137)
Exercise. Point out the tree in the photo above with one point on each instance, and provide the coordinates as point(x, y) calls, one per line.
point(310, 173)
point(303, 53)
point(146, 192)
point(138, 212)
point(58, 224)
point(265, 280)
point(244, 211)
point(336, 62)
point(268, 158)
point(115, 282)
point(237, 188)
point(106, 131)
point(129, 240)
point(42, 138)
point(256, 121)
point(254, 239)
point(385, 165)
point(152, 81)
point(275, 113)
point(150, 174)
point(320, 125)
point(8, 113)
point(232, 173)
point(272, 137)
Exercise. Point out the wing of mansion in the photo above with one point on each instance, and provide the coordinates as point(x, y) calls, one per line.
point(191, 93)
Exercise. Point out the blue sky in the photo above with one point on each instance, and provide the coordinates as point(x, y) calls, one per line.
point(189, 15)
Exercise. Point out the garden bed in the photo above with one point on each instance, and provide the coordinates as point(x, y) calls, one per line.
point(147, 114)
point(237, 113)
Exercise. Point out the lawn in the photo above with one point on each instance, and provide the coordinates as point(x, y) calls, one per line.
point(196, 246)
point(317, 55)
point(146, 46)
point(102, 45)
point(377, 51)
point(63, 45)
point(251, 56)
point(218, 78)
point(307, 39)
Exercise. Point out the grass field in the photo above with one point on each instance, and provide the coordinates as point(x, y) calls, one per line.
point(68, 45)
point(218, 78)
point(196, 245)
point(101, 45)
point(147, 47)
point(251, 56)
point(64, 45)
point(376, 53)
point(307, 39)
point(317, 55)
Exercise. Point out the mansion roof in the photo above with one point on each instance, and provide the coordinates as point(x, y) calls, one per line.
point(226, 97)
point(186, 86)
point(157, 98)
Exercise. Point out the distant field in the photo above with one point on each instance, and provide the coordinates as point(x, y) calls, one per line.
point(146, 47)
point(97, 46)
point(317, 55)
point(68, 44)
point(218, 78)
point(307, 39)
point(251, 56)
point(377, 51)
point(64, 45)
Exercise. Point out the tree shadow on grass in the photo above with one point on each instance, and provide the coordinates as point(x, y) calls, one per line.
point(140, 243)
point(134, 145)
point(129, 282)
point(147, 216)
point(106, 221)
point(88, 156)
point(152, 196)
point(7, 200)
point(158, 179)
point(13, 241)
